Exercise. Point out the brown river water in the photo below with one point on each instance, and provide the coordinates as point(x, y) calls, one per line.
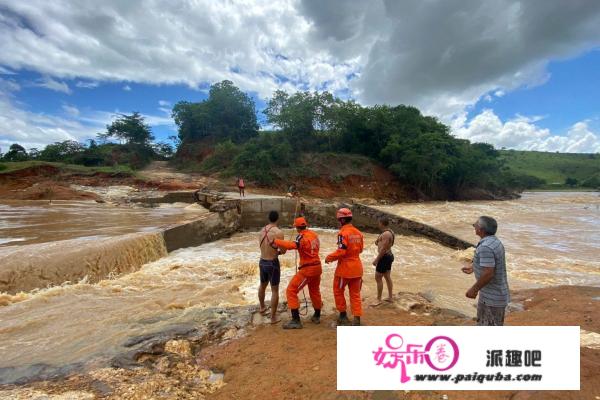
point(550, 239)
point(29, 222)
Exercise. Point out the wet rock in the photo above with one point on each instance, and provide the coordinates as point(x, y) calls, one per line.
point(101, 388)
point(515, 307)
point(37, 372)
point(411, 301)
point(162, 336)
point(181, 347)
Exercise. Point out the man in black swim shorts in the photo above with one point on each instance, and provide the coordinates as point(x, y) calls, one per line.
point(269, 265)
point(383, 261)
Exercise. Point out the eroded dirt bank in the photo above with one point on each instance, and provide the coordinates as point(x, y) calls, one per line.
point(327, 181)
point(262, 361)
point(49, 182)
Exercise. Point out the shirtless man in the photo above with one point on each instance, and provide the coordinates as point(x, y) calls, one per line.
point(383, 261)
point(269, 265)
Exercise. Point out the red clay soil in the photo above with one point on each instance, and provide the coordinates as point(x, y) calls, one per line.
point(273, 363)
point(44, 182)
point(382, 185)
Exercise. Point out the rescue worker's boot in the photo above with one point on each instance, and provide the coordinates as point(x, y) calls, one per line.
point(343, 319)
point(316, 318)
point(356, 321)
point(294, 323)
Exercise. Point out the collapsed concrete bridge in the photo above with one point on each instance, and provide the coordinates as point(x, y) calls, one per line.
point(251, 213)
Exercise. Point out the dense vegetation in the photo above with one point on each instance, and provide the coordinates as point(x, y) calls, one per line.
point(418, 149)
point(556, 170)
point(133, 149)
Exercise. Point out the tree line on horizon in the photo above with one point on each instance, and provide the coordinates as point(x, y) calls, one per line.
point(221, 134)
point(128, 141)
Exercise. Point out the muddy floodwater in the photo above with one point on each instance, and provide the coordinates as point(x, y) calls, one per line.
point(550, 239)
point(83, 322)
point(28, 222)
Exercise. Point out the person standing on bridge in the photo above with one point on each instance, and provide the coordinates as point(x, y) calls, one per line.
point(489, 265)
point(383, 261)
point(308, 274)
point(241, 186)
point(349, 268)
point(269, 266)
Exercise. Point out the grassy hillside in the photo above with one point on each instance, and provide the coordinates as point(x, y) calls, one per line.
point(556, 168)
point(10, 166)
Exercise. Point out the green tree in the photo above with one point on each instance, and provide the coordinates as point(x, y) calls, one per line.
point(303, 116)
point(571, 182)
point(61, 151)
point(163, 150)
point(16, 152)
point(130, 128)
point(228, 113)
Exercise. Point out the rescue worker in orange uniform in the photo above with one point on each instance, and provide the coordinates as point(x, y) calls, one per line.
point(349, 268)
point(309, 272)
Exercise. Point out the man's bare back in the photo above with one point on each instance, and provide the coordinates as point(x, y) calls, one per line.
point(267, 236)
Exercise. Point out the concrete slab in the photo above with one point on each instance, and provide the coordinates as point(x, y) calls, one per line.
point(271, 205)
point(252, 206)
point(250, 196)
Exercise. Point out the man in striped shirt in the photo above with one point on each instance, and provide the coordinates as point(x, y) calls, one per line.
point(489, 265)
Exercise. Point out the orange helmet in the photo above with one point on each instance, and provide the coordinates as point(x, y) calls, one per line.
point(343, 213)
point(300, 221)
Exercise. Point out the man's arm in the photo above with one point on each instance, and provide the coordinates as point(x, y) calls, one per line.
point(340, 252)
point(487, 262)
point(487, 273)
point(279, 236)
point(286, 244)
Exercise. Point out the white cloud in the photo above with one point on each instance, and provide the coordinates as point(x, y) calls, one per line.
point(36, 129)
point(52, 84)
point(444, 55)
point(521, 133)
point(87, 84)
point(127, 88)
point(164, 103)
point(31, 129)
point(71, 110)
point(439, 55)
point(261, 45)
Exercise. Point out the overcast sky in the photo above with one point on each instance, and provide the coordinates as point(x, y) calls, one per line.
point(522, 75)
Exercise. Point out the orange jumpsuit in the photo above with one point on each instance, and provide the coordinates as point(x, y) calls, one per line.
point(349, 269)
point(309, 271)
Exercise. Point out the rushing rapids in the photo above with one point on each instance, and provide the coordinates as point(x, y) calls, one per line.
point(550, 238)
point(87, 323)
point(44, 244)
point(51, 331)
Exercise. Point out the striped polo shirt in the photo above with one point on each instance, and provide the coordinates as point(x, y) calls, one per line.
point(490, 253)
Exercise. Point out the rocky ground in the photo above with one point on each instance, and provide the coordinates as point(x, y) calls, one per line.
point(245, 358)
